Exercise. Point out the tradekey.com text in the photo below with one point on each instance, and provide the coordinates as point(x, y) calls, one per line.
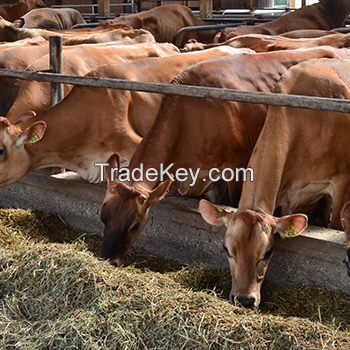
point(139, 174)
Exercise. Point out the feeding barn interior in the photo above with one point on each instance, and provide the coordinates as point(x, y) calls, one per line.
point(177, 142)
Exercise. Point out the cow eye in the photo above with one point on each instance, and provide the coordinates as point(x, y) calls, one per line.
point(2, 152)
point(103, 215)
point(268, 254)
point(136, 226)
point(226, 250)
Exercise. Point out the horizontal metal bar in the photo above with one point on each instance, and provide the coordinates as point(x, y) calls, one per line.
point(90, 5)
point(343, 30)
point(85, 25)
point(222, 20)
point(204, 27)
point(297, 101)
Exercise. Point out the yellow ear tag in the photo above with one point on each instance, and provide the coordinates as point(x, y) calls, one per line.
point(220, 209)
point(34, 138)
point(161, 183)
point(291, 231)
point(342, 223)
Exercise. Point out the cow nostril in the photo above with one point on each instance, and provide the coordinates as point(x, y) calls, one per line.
point(246, 300)
point(117, 262)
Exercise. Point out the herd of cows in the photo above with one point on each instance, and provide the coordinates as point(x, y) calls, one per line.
point(300, 158)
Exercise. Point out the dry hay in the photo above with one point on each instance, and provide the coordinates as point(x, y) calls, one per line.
point(60, 296)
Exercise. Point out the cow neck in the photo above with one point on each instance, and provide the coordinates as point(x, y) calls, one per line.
point(16, 11)
point(154, 149)
point(9, 34)
point(253, 198)
point(62, 136)
point(335, 12)
point(145, 184)
point(261, 194)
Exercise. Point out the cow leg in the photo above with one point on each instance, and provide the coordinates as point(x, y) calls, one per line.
point(216, 193)
point(320, 213)
point(235, 191)
point(340, 197)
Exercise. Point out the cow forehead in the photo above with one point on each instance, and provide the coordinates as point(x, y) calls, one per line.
point(118, 211)
point(117, 202)
point(248, 229)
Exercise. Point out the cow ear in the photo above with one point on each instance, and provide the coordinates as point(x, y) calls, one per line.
point(212, 214)
point(25, 117)
point(18, 23)
point(159, 192)
point(32, 134)
point(291, 225)
point(113, 162)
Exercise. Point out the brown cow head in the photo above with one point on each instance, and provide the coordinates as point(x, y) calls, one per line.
point(14, 145)
point(124, 213)
point(345, 221)
point(249, 241)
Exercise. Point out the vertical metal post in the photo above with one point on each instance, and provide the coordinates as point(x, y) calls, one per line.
point(251, 4)
point(139, 6)
point(104, 7)
point(205, 8)
point(56, 66)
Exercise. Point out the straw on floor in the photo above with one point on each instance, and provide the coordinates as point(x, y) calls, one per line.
point(56, 294)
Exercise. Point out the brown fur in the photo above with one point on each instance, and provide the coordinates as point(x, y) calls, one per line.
point(325, 15)
point(202, 133)
point(165, 21)
point(13, 12)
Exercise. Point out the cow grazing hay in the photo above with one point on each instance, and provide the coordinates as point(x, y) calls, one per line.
point(60, 296)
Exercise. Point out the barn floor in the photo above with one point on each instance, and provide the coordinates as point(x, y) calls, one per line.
point(176, 231)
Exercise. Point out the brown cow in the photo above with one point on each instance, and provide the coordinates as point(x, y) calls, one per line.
point(328, 169)
point(300, 156)
point(17, 56)
point(9, 33)
point(265, 43)
point(124, 36)
point(13, 12)
point(248, 244)
point(325, 15)
point(165, 21)
point(91, 123)
point(194, 133)
point(63, 18)
point(307, 33)
point(79, 60)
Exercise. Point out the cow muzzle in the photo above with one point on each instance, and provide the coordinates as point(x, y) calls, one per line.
point(248, 301)
point(116, 262)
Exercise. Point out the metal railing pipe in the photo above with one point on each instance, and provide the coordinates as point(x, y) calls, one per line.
point(200, 28)
point(56, 66)
point(297, 101)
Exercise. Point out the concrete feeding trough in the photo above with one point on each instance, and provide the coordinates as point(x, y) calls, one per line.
point(176, 230)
